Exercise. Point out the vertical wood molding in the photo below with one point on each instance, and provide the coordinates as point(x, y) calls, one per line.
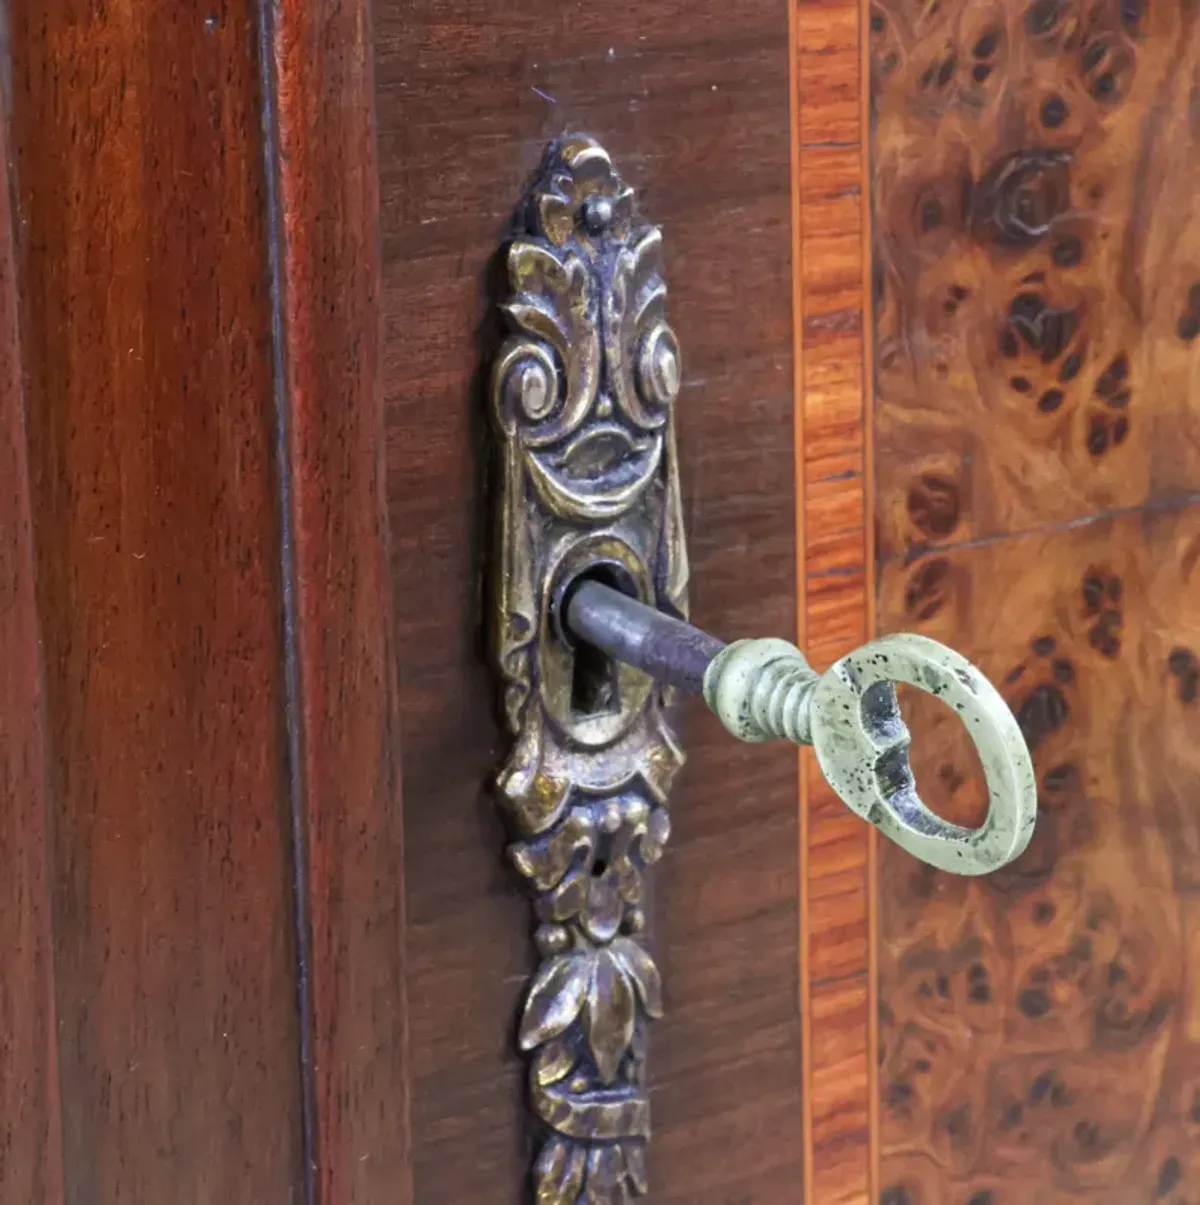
point(346, 743)
point(871, 601)
point(145, 342)
point(834, 470)
point(30, 1110)
point(798, 436)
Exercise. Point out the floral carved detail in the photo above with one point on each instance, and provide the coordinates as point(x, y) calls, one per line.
point(582, 396)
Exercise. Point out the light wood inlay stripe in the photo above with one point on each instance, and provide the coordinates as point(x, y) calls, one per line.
point(834, 470)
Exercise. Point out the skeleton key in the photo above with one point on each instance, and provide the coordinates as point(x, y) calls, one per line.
point(765, 689)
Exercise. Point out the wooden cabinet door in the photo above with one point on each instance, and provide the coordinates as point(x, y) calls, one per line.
point(262, 943)
point(934, 274)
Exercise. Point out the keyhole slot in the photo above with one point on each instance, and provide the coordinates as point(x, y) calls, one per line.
point(595, 684)
point(595, 676)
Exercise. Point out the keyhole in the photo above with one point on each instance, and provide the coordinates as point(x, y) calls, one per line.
point(595, 687)
point(595, 677)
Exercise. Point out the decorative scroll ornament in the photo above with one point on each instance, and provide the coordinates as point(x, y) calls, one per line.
point(582, 398)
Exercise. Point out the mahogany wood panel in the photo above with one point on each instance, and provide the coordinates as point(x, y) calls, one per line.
point(347, 729)
point(146, 338)
point(1038, 446)
point(692, 100)
point(838, 848)
point(30, 1121)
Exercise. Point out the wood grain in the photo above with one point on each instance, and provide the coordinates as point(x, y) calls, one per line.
point(1040, 1026)
point(146, 329)
point(30, 1108)
point(837, 847)
point(347, 735)
point(1038, 261)
point(692, 102)
point(1036, 255)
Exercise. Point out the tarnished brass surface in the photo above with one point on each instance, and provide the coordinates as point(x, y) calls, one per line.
point(582, 400)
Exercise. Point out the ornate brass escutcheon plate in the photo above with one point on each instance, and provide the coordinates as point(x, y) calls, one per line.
point(582, 401)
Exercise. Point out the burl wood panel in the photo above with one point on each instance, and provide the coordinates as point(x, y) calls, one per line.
point(146, 338)
point(692, 100)
point(30, 1121)
point(838, 848)
point(1038, 262)
point(1038, 449)
point(346, 726)
point(1041, 1029)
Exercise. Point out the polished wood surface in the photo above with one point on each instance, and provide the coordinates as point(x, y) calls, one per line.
point(345, 722)
point(693, 104)
point(1034, 182)
point(146, 336)
point(254, 954)
point(30, 1106)
point(833, 470)
point(239, 947)
point(221, 906)
point(203, 991)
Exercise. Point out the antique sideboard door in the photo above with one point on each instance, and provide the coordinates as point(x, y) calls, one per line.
point(261, 940)
point(934, 314)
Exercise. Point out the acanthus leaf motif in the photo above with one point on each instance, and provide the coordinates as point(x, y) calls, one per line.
point(553, 1063)
point(555, 998)
point(605, 1173)
point(568, 900)
point(559, 1172)
point(554, 302)
point(642, 973)
point(634, 297)
point(605, 906)
point(582, 396)
point(610, 1015)
point(547, 859)
point(635, 1166)
point(544, 284)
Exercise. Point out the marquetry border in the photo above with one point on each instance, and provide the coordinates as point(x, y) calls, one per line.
point(831, 257)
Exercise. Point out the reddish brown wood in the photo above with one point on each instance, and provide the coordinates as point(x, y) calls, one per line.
point(692, 102)
point(350, 782)
point(30, 1121)
point(829, 149)
point(146, 338)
